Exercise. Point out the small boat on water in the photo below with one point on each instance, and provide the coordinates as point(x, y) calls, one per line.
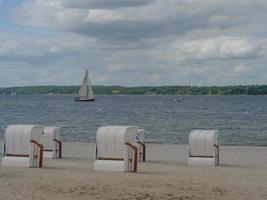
point(179, 99)
point(86, 91)
point(13, 93)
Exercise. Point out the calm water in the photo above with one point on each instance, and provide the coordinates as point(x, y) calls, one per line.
point(241, 120)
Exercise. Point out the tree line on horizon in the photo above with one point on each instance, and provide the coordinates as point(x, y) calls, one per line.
point(163, 90)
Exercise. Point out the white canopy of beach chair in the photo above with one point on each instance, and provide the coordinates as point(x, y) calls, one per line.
point(203, 147)
point(116, 148)
point(51, 143)
point(22, 146)
point(140, 136)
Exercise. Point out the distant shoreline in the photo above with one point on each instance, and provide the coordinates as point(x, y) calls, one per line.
point(142, 90)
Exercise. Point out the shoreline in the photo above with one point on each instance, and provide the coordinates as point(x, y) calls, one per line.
point(125, 94)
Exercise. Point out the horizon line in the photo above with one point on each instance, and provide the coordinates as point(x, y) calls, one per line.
point(243, 85)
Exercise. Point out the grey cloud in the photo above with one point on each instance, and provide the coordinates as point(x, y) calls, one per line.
point(103, 4)
point(134, 30)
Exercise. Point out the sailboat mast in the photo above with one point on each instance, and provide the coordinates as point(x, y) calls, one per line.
point(87, 83)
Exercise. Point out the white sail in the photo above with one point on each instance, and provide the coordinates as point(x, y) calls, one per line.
point(90, 90)
point(86, 88)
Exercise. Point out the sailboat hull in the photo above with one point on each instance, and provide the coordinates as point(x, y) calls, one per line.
point(82, 99)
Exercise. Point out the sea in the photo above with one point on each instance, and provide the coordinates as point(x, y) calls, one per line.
point(241, 120)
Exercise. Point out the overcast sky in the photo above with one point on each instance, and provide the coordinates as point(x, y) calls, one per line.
point(133, 42)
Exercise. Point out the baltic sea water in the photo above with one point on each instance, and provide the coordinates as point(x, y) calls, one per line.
point(241, 120)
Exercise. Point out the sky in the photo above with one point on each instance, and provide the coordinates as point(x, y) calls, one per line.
point(133, 42)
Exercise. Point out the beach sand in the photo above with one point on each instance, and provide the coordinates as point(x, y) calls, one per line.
point(242, 175)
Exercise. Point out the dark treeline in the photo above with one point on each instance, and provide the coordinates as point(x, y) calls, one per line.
point(165, 90)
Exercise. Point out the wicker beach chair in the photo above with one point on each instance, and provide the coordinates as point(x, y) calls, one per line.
point(203, 147)
point(22, 146)
point(116, 149)
point(51, 143)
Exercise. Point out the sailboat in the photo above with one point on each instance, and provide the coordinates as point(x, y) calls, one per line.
point(85, 92)
point(13, 93)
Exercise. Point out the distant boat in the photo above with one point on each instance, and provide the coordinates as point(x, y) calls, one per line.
point(180, 99)
point(13, 93)
point(85, 92)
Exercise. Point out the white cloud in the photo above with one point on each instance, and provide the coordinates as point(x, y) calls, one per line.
point(241, 68)
point(103, 16)
point(37, 13)
point(219, 48)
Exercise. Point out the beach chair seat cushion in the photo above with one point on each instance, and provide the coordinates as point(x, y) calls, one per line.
point(201, 161)
point(109, 165)
point(16, 161)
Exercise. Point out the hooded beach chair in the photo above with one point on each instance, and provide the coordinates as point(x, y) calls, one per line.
point(51, 143)
point(22, 146)
point(203, 147)
point(140, 136)
point(116, 149)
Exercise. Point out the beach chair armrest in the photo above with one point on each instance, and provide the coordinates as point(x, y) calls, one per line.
point(41, 148)
point(135, 154)
point(60, 147)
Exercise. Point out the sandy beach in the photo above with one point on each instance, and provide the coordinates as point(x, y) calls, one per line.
point(242, 175)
